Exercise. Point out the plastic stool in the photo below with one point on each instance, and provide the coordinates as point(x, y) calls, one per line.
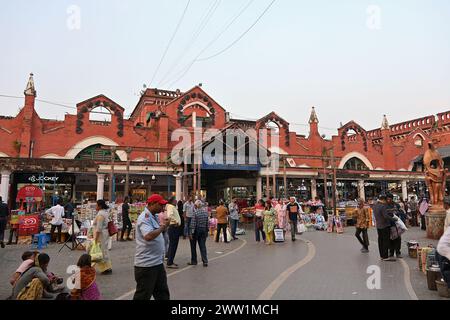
point(39, 241)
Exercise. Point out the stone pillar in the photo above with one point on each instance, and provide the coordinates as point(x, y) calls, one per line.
point(178, 188)
point(313, 189)
point(100, 186)
point(405, 190)
point(361, 190)
point(258, 188)
point(4, 185)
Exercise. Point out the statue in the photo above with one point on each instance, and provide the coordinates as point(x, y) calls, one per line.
point(435, 176)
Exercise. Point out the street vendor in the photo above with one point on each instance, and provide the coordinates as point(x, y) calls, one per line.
point(57, 213)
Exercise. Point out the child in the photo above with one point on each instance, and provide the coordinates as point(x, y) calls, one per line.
point(212, 225)
point(85, 285)
point(28, 262)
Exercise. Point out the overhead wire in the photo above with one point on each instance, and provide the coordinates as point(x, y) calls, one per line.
point(241, 36)
point(226, 27)
point(206, 17)
point(170, 41)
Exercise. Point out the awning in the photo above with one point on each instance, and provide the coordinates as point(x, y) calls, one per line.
point(29, 192)
point(444, 152)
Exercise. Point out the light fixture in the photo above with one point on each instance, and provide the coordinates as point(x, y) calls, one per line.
point(142, 183)
point(153, 177)
point(107, 178)
point(43, 188)
point(132, 182)
point(56, 192)
point(123, 181)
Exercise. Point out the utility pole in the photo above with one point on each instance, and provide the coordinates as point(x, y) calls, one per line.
point(127, 177)
point(111, 175)
point(285, 179)
point(333, 164)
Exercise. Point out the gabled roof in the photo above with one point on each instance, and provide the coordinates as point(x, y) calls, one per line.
point(100, 96)
point(273, 117)
point(181, 97)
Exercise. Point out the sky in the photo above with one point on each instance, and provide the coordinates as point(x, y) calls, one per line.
point(351, 59)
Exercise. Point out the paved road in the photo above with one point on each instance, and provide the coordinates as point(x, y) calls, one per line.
point(318, 266)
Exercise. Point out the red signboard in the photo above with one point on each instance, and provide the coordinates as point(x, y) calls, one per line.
point(28, 225)
point(30, 192)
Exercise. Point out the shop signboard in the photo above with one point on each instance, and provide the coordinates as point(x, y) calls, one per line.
point(28, 225)
point(44, 178)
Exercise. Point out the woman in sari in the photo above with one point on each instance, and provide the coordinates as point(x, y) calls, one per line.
point(101, 236)
point(281, 216)
point(269, 222)
point(85, 286)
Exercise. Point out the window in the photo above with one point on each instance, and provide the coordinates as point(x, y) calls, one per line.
point(100, 114)
point(96, 153)
point(157, 157)
point(355, 164)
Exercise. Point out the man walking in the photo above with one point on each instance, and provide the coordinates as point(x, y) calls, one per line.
point(57, 212)
point(383, 223)
point(126, 222)
point(4, 213)
point(149, 272)
point(293, 209)
point(222, 221)
point(198, 232)
point(188, 210)
point(234, 218)
point(173, 232)
point(362, 224)
point(412, 209)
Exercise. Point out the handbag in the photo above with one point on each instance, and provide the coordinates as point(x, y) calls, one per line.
point(112, 228)
point(96, 252)
point(301, 228)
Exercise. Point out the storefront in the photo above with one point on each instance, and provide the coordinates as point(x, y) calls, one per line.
point(54, 185)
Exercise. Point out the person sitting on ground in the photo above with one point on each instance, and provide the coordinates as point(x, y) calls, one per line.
point(28, 261)
point(87, 288)
point(34, 282)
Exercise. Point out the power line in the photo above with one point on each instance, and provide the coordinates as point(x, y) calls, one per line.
point(186, 70)
point(170, 41)
point(206, 17)
point(241, 36)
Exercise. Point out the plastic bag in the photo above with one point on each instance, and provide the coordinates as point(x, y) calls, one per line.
point(301, 228)
point(96, 252)
point(401, 225)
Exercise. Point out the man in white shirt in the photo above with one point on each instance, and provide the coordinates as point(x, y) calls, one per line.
point(447, 209)
point(443, 256)
point(57, 212)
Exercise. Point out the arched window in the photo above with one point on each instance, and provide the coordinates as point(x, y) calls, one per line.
point(95, 152)
point(100, 114)
point(355, 164)
point(271, 125)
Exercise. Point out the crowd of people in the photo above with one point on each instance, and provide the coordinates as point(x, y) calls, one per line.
point(163, 223)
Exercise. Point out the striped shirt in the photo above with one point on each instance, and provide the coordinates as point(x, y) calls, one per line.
point(199, 221)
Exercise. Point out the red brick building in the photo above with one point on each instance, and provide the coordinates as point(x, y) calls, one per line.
point(50, 153)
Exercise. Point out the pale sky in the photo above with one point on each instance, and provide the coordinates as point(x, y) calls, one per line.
point(350, 64)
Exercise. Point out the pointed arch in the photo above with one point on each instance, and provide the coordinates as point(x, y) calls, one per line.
point(357, 155)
